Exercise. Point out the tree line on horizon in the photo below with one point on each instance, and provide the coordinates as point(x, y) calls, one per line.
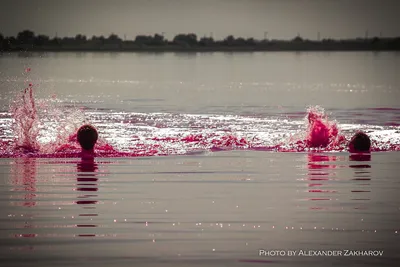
point(27, 41)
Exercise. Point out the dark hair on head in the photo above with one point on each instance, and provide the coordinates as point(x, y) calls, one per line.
point(87, 136)
point(360, 142)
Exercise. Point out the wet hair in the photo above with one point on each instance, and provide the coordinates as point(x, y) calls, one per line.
point(87, 136)
point(360, 142)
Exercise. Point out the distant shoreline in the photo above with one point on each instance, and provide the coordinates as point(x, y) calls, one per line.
point(199, 50)
point(29, 42)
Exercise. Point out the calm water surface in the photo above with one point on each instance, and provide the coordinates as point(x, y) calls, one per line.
point(196, 206)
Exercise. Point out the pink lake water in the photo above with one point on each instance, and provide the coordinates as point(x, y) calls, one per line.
point(203, 158)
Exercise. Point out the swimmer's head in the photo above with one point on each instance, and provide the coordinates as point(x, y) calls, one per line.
point(360, 143)
point(87, 136)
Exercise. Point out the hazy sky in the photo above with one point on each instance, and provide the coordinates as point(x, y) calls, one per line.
point(282, 19)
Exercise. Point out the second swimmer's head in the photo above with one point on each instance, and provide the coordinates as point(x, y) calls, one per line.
point(87, 136)
point(360, 142)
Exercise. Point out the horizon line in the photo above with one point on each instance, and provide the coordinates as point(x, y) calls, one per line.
point(162, 34)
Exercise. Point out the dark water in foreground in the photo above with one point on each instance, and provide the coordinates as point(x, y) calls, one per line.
point(211, 209)
point(197, 161)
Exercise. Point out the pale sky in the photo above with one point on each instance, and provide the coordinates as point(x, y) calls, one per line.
point(282, 19)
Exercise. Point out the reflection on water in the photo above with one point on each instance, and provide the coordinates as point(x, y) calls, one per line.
point(37, 194)
point(23, 177)
point(328, 180)
point(359, 159)
point(87, 183)
point(361, 177)
point(321, 173)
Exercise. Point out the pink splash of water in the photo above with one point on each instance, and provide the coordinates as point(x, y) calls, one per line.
point(26, 128)
point(321, 132)
point(26, 121)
